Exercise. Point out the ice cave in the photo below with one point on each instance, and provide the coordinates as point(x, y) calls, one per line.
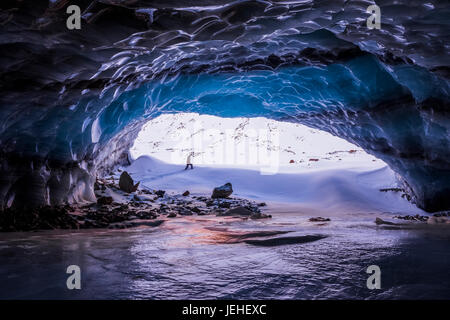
point(115, 137)
point(72, 101)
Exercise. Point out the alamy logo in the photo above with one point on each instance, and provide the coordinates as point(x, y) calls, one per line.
point(74, 280)
point(374, 281)
point(74, 20)
point(374, 21)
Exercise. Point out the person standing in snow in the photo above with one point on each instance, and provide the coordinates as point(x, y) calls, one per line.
point(188, 161)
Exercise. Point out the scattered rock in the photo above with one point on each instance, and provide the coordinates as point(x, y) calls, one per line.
point(186, 193)
point(291, 161)
point(185, 212)
point(105, 200)
point(262, 204)
point(171, 215)
point(224, 205)
point(413, 218)
point(196, 210)
point(223, 191)
point(126, 183)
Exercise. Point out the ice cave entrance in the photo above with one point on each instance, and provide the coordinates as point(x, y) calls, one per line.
point(247, 143)
point(265, 160)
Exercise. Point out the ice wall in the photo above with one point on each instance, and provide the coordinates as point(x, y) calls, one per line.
point(72, 101)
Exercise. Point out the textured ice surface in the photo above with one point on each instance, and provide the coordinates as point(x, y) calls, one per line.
point(73, 101)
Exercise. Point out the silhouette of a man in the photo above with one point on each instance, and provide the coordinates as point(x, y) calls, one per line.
point(188, 161)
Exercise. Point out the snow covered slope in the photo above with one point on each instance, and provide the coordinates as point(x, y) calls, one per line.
point(327, 174)
point(257, 143)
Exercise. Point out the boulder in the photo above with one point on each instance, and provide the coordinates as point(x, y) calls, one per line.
point(126, 183)
point(223, 191)
point(319, 219)
point(260, 215)
point(186, 193)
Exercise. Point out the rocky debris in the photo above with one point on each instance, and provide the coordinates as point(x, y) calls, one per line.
point(291, 161)
point(319, 219)
point(224, 205)
point(40, 218)
point(186, 193)
point(143, 207)
point(196, 210)
point(250, 212)
point(413, 218)
point(392, 189)
point(223, 191)
point(184, 211)
point(404, 194)
point(313, 160)
point(160, 193)
point(262, 204)
point(239, 211)
point(105, 200)
point(99, 185)
point(126, 183)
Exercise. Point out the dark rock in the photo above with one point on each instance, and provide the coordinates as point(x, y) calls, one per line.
point(260, 215)
point(126, 183)
point(319, 219)
point(239, 211)
point(185, 212)
point(262, 204)
point(139, 223)
point(195, 209)
point(223, 191)
point(381, 221)
point(171, 215)
point(105, 200)
point(186, 193)
point(285, 240)
point(224, 205)
point(160, 193)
